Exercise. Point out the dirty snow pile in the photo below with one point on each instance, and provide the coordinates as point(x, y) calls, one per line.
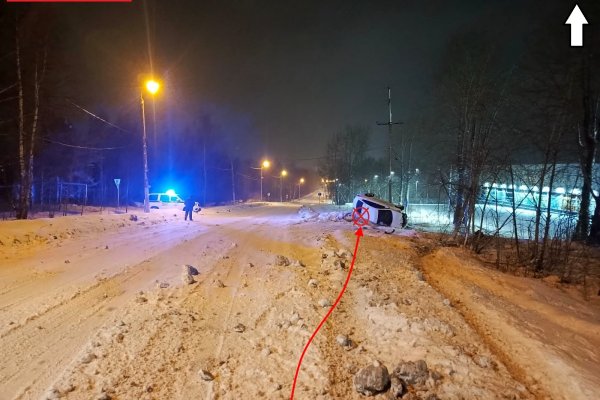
point(309, 214)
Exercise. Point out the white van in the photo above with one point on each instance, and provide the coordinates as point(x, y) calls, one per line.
point(165, 200)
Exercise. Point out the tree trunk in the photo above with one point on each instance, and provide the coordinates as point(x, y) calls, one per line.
point(38, 77)
point(232, 180)
point(459, 210)
point(23, 204)
point(514, 212)
point(588, 143)
point(540, 261)
point(594, 237)
point(27, 142)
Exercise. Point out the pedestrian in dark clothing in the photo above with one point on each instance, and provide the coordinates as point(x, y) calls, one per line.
point(188, 207)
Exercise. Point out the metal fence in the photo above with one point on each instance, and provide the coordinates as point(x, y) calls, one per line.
point(59, 197)
point(492, 219)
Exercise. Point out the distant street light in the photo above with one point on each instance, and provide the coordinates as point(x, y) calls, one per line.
point(300, 182)
point(152, 87)
point(283, 175)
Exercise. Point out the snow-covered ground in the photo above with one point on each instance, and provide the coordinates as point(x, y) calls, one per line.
point(101, 306)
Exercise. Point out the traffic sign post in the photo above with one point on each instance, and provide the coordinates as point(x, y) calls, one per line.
point(117, 184)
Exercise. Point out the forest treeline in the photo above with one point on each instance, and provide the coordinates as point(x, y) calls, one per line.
point(497, 110)
point(494, 105)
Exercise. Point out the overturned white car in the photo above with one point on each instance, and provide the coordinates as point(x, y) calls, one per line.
point(381, 212)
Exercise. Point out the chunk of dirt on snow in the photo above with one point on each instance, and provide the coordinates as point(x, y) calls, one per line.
point(372, 379)
point(282, 261)
point(205, 375)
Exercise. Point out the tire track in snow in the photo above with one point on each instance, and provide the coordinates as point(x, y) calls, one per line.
point(34, 351)
point(76, 276)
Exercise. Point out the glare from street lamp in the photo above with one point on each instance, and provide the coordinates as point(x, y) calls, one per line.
point(266, 164)
point(284, 173)
point(152, 86)
point(301, 180)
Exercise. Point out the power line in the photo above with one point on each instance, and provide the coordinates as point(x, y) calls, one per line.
point(323, 157)
point(83, 147)
point(98, 117)
point(8, 88)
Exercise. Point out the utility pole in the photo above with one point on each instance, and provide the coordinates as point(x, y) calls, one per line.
point(232, 179)
point(389, 124)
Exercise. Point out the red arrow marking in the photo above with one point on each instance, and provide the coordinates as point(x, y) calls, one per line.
point(359, 234)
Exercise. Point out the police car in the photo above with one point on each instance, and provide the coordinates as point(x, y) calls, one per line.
point(168, 199)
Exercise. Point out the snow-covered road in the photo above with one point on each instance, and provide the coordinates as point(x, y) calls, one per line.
point(95, 307)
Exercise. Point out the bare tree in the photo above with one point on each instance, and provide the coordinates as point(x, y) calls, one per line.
point(587, 131)
point(474, 90)
point(346, 160)
point(28, 118)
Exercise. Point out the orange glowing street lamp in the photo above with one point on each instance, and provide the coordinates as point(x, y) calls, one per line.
point(152, 87)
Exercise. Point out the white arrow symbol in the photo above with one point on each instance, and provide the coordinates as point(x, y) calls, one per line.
point(576, 20)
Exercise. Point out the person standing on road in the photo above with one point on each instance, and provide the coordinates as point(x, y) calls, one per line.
point(188, 207)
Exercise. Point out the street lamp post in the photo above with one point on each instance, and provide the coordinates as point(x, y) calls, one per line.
point(152, 87)
point(390, 178)
point(416, 183)
point(300, 182)
point(281, 176)
point(264, 164)
point(416, 189)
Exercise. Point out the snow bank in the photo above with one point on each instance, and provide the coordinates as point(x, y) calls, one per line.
point(308, 213)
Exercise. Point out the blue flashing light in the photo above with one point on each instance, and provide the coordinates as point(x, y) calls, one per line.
point(171, 192)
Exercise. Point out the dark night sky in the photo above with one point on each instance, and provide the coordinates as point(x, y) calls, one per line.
point(287, 74)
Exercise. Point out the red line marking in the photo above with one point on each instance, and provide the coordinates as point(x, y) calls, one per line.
point(68, 1)
point(358, 234)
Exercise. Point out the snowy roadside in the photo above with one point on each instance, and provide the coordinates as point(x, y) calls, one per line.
point(545, 332)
